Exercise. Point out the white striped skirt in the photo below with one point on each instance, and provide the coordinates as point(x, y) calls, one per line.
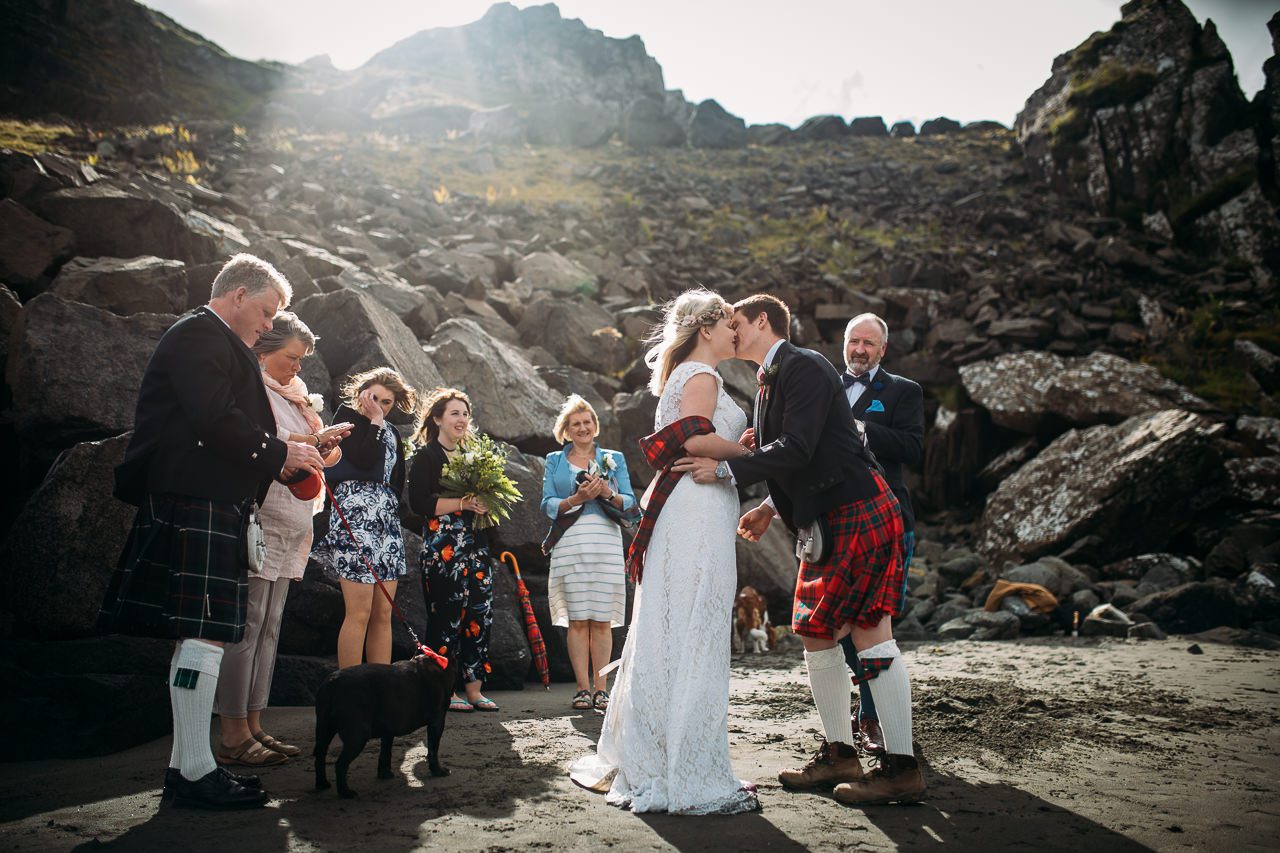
point(588, 574)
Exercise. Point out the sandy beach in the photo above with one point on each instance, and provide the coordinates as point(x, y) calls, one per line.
point(1053, 744)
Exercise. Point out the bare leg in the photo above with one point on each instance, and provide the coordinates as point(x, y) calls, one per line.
point(377, 644)
point(357, 599)
point(579, 640)
point(601, 648)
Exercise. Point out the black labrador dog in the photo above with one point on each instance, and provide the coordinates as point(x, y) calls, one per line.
point(381, 700)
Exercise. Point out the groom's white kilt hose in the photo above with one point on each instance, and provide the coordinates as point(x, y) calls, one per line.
point(862, 579)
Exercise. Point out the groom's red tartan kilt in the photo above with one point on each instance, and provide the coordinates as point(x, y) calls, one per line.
point(861, 580)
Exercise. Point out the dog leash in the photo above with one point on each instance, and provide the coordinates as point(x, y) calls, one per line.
point(443, 663)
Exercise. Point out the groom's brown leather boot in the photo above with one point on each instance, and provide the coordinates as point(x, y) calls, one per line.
point(898, 779)
point(832, 764)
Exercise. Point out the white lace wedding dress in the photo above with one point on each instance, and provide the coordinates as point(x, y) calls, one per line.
point(665, 741)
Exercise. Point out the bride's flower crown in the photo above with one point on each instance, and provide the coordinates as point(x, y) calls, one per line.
point(705, 318)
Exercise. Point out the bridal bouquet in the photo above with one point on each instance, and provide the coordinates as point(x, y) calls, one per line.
point(478, 472)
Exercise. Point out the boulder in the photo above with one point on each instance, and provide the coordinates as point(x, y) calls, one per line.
point(1263, 365)
point(29, 247)
point(646, 124)
point(1149, 117)
point(820, 128)
point(499, 124)
point(570, 380)
point(1059, 577)
point(1026, 391)
point(387, 288)
point(75, 370)
point(902, 130)
point(510, 658)
point(940, 125)
point(356, 332)
point(1163, 565)
point(1000, 625)
point(138, 285)
point(313, 612)
point(511, 403)
point(576, 332)
point(1260, 435)
point(635, 412)
point(714, 127)
point(553, 272)
point(10, 308)
point(867, 126)
point(107, 221)
point(1134, 485)
point(1255, 481)
point(1196, 606)
point(63, 546)
point(447, 270)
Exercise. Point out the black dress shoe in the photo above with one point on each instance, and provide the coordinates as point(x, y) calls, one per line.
point(171, 777)
point(216, 790)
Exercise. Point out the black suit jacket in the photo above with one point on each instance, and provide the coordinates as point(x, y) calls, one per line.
point(807, 450)
point(203, 426)
point(896, 435)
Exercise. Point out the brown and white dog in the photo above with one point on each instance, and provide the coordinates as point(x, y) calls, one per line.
point(751, 628)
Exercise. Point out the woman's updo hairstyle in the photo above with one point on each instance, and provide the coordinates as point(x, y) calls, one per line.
point(676, 337)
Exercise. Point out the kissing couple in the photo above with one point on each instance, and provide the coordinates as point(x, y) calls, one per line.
point(664, 745)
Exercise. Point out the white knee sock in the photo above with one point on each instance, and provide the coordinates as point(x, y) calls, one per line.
point(891, 690)
point(191, 692)
point(829, 681)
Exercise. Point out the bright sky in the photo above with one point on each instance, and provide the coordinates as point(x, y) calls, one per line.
point(764, 60)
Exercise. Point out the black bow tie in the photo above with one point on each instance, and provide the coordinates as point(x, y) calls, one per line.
point(850, 380)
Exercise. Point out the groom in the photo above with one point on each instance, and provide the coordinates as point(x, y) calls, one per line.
point(807, 449)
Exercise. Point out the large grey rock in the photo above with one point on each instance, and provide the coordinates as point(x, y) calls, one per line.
point(1057, 576)
point(10, 308)
point(646, 124)
point(578, 332)
point(388, 288)
point(510, 401)
point(1022, 390)
point(1134, 485)
point(356, 332)
point(1149, 117)
point(29, 246)
point(110, 222)
point(554, 272)
point(138, 285)
point(75, 370)
point(1196, 606)
point(62, 548)
point(867, 126)
point(820, 128)
point(712, 126)
point(635, 412)
point(1255, 480)
point(447, 270)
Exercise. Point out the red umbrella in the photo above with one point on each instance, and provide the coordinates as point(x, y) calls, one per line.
point(536, 644)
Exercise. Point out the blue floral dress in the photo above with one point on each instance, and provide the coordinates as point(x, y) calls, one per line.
point(373, 510)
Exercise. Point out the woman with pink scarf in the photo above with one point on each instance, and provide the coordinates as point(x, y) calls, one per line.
point(244, 683)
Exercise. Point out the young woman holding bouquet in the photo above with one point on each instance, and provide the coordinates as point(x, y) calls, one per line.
point(587, 588)
point(367, 484)
point(455, 560)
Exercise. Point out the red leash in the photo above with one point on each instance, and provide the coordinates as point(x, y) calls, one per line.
point(442, 662)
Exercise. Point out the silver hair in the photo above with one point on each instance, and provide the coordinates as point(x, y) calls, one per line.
point(284, 328)
point(253, 274)
point(862, 318)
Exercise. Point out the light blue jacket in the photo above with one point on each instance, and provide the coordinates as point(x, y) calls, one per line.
point(558, 482)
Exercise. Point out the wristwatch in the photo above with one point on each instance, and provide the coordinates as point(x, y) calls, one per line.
point(722, 470)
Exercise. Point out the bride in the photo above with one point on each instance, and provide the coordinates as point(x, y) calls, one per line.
point(665, 741)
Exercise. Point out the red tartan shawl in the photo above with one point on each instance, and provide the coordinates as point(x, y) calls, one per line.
point(661, 449)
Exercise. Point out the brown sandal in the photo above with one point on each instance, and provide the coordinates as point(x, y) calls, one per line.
point(276, 745)
point(249, 754)
point(582, 701)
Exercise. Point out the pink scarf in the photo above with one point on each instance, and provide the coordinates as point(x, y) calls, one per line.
point(295, 392)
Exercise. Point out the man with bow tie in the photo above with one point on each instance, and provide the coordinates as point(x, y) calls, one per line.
point(890, 412)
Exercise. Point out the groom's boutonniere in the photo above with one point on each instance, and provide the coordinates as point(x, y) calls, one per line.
point(767, 376)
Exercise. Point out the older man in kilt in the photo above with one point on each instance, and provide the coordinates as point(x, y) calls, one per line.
point(805, 446)
point(204, 448)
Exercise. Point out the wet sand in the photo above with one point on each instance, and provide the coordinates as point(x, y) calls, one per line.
point(1054, 744)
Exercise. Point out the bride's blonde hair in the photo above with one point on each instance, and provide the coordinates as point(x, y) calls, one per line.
point(676, 337)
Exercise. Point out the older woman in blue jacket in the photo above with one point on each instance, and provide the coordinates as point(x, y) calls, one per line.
point(587, 587)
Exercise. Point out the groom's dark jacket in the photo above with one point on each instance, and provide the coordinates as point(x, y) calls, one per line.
point(807, 449)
